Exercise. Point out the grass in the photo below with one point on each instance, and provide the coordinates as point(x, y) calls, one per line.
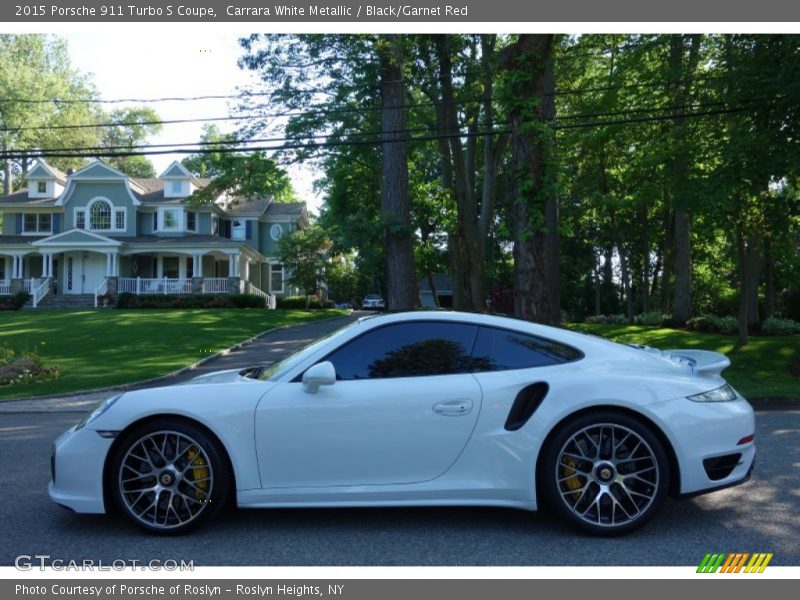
point(759, 370)
point(102, 348)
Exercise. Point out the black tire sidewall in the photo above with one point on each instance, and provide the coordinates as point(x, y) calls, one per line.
point(216, 455)
point(549, 485)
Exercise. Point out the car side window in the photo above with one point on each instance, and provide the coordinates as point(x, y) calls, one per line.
point(502, 350)
point(413, 349)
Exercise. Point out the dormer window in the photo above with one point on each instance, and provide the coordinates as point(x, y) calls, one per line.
point(41, 187)
point(100, 215)
point(176, 187)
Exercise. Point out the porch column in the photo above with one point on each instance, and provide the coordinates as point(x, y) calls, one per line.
point(234, 281)
point(197, 273)
point(198, 265)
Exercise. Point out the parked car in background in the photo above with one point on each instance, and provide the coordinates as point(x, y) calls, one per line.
point(373, 302)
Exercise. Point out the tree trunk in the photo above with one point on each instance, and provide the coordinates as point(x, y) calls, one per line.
point(741, 254)
point(682, 303)
point(598, 284)
point(401, 280)
point(533, 177)
point(7, 187)
point(623, 264)
point(644, 222)
point(667, 262)
point(769, 281)
point(753, 276)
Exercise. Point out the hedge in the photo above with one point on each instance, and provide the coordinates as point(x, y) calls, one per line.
point(14, 302)
point(299, 302)
point(128, 300)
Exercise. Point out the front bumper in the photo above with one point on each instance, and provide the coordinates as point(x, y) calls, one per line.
point(77, 466)
point(706, 436)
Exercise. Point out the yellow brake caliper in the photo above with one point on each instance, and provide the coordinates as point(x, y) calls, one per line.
point(574, 482)
point(199, 473)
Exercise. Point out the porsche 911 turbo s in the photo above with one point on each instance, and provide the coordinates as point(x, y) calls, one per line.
point(420, 409)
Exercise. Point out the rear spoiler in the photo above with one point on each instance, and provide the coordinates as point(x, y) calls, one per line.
point(702, 362)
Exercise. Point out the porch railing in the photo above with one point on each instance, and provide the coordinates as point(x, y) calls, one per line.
point(28, 285)
point(40, 290)
point(100, 290)
point(215, 285)
point(161, 285)
point(5, 287)
point(249, 288)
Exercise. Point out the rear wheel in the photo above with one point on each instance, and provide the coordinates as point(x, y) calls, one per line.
point(605, 472)
point(169, 476)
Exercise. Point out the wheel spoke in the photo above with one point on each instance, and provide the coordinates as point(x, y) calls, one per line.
point(165, 503)
point(607, 474)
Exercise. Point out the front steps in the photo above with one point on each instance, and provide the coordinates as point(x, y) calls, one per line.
point(63, 302)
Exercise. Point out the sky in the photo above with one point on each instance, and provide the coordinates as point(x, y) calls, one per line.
point(184, 62)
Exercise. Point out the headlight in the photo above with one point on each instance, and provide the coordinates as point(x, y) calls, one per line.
point(721, 394)
point(98, 410)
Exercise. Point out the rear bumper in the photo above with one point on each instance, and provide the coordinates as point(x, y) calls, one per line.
point(705, 437)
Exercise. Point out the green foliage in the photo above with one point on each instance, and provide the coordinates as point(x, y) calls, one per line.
point(304, 255)
point(652, 318)
point(779, 326)
point(607, 319)
point(712, 323)
point(302, 302)
point(14, 302)
point(134, 127)
point(128, 300)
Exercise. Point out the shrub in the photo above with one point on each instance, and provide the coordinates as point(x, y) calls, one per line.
point(14, 302)
point(607, 319)
point(26, 367)
point(299, 302)
point(128, 300)
point(652, 318)
point(713, 324)
point(778, 326)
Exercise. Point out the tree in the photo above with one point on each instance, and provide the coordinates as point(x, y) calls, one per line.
point(34, 72)
point(304, 254)
point(528, 95)
point(132, 128)
point(401, 278)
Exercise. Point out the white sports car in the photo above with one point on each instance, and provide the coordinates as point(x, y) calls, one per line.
point(420, 409)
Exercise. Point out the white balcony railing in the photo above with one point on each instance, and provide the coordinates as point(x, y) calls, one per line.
point(5, 287)
point(161, 285)
point(215, 285)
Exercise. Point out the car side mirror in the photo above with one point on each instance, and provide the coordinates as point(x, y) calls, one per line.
point(320, 374)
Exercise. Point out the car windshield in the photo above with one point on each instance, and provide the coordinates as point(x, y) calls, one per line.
point(373, 297)
point(276, 370)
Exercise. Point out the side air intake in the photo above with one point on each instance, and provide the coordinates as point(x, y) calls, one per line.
point(525, 404)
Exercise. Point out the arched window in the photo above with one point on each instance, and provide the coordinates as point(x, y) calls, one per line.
point(100, 215)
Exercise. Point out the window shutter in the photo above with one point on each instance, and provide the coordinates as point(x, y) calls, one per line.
point(56, 223)
point(248, 230)
point(155, 221)
point(19, 223)
point(226, 230)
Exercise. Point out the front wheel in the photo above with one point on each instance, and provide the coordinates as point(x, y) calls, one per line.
point(606, 473)
point(169, 476)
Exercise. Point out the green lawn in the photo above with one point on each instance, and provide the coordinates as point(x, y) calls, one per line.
point(758, 370)
point(109, 347)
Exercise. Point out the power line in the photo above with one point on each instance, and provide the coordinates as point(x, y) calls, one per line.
point(111, 153)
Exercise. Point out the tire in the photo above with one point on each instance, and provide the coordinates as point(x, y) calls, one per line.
point(169, 476)
point(605, 473)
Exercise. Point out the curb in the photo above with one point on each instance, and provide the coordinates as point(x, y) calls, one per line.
point(163, 378)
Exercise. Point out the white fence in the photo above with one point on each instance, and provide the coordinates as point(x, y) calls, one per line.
point(162, 285)
point(5, 287)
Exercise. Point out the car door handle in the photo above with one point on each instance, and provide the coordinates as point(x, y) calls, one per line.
point(452, 408)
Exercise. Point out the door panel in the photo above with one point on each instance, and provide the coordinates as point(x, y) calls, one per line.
point(365, 432)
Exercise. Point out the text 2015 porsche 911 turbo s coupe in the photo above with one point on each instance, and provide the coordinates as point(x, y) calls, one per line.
point(423, 409)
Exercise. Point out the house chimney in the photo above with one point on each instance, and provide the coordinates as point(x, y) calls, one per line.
point(70, 171)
